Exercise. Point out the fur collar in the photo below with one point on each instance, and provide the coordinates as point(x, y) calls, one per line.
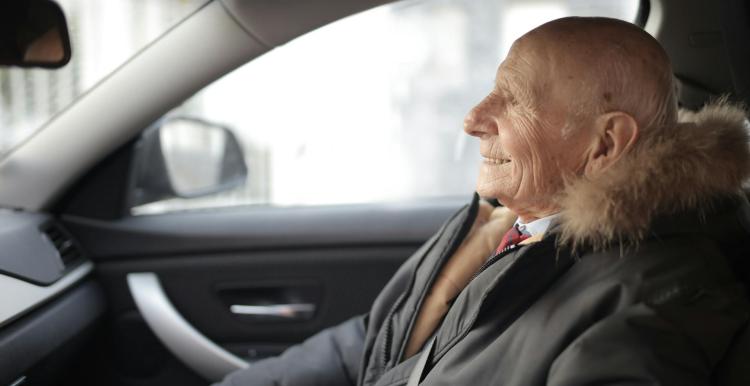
point(671, 169)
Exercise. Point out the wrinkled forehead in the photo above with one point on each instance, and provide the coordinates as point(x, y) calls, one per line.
point(535, 65)
point(521, 65)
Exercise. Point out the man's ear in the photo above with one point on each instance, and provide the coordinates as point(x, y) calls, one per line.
point(614, 135)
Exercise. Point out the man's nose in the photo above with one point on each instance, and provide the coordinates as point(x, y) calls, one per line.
point(478, 123)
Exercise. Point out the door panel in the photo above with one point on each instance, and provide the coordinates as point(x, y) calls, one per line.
point(340, 282)
point(262, 228)
point(327, 264)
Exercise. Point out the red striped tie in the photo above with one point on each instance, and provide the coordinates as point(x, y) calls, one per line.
point(512, 237)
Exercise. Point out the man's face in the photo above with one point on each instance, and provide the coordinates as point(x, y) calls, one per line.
point(519, 125)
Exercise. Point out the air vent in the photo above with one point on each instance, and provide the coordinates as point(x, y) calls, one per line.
point(63, 242)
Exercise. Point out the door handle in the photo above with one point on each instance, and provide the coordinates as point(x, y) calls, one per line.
point(294, 311)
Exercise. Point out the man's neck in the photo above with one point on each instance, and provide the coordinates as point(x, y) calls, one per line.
point(528, 216)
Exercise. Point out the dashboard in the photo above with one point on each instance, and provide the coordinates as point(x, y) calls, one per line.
point(48, 303)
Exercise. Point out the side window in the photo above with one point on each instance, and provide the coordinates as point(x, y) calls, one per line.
point(369, 108)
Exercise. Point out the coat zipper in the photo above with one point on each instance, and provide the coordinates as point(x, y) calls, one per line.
point(474, 317)
point(492, 260)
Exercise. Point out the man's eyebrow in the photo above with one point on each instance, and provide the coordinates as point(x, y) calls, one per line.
point(525, 95)
point(517, 89)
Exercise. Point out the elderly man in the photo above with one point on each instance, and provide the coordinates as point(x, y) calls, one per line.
point(617, 267)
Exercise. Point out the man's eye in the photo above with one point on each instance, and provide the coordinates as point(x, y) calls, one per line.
point(512, 100)
point(509, 98)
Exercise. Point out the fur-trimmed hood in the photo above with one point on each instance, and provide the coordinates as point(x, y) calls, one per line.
point(671, 169)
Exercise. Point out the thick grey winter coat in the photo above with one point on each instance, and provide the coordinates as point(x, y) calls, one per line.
point(636, 284)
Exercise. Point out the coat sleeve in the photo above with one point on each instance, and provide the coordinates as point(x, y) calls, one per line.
point(330, 357)
point(652, 345)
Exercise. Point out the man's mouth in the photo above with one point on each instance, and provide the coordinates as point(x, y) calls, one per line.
point(496, 161)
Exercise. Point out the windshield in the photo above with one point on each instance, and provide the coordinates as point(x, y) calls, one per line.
point(103, 35)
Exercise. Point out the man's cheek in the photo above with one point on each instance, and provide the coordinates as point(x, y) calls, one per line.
point(520, 146)
point(547, 175)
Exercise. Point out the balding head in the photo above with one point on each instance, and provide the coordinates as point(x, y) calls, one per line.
point(570, 99)
point(607, 65)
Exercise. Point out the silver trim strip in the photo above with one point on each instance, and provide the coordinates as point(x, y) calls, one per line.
point(181, 338)
point(18, 297)
point(283, 311)
point(19, 381)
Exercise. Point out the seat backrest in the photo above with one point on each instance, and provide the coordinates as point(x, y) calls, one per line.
point(734, 368)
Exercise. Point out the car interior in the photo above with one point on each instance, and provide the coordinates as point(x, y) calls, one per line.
point(92, 294)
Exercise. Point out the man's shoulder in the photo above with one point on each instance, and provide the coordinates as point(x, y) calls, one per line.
point(680, 294)
point(690, 251)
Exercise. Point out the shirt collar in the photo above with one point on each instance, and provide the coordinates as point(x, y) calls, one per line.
point(537, 226)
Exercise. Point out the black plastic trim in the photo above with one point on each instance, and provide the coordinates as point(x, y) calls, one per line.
point(31, 339)
point(262, 228)
point(26, 253)
point(644, 10)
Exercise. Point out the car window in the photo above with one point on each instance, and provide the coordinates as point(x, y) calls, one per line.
point(369, 108)
point(103, 35)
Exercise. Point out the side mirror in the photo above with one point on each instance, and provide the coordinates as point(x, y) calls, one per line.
point(33, 33)
point(185, 158)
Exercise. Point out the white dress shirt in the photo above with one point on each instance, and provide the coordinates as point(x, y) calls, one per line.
point(537, 226)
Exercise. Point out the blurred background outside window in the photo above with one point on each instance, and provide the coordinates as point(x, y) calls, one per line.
point(103, 34)
point(369, 108)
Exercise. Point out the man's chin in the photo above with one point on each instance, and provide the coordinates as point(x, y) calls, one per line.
point(489, 192)
point(493, 181)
